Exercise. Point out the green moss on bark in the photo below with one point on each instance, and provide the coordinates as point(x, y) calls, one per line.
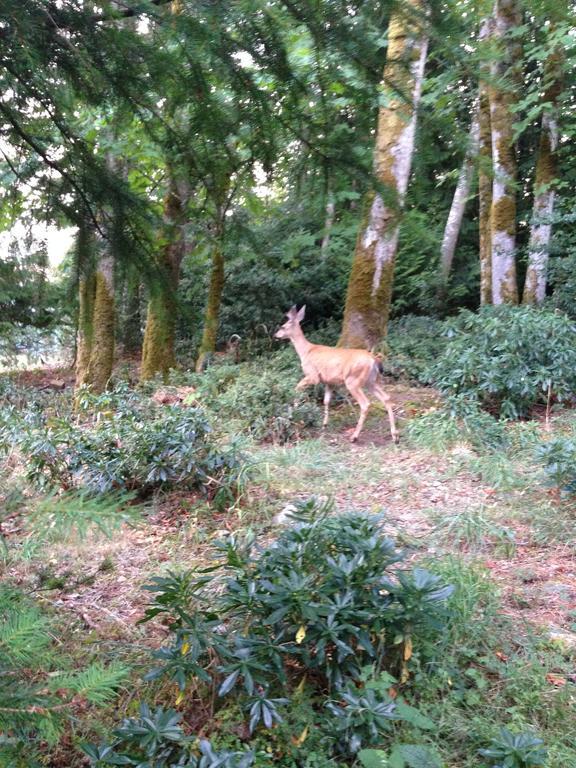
point(102, 356)
point(370, 285)
point(158, 349)
point(212, 314)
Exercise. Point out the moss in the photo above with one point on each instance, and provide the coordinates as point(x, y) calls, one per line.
point(86, 296)
point(529, 293)
point(158, 347)
point(503, 215)
point(102, 356)
point(367, 311)
point(509, 287)
point(212, 315)
point(158, 355)
point(546, 166)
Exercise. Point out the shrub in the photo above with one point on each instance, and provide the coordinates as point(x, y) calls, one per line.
point(559, 459)
point(511, 750)
point(413, 344)
point(457, 421)
point(508, 358)
point(157, 739)
point(321, 608)
point(131, 444)
point(260, 398)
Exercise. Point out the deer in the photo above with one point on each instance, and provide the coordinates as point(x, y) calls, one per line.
point(356, 369)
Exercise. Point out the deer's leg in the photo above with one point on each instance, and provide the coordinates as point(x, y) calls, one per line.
point(327, 398)
point(307, 381)
point(386, 400)
point(364, 404)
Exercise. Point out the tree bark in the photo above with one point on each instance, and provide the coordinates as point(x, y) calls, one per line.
point(544, 190)
point(504, 74)
point(461, 195)
point(212, 314)
point(86, 295)
point(370, 285)
point(158, 355)
point(131, 324)
point(328, 224)
point(103, 323)
point(485, 199)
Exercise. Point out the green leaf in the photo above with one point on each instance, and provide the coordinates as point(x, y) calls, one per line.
point(373, 758)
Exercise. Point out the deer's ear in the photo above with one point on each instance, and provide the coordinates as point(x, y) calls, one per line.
point(291, 314)
point(301, 313)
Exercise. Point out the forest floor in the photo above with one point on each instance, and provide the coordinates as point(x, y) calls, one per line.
point(488, 511)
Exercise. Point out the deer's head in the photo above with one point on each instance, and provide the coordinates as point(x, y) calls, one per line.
point(292, 325)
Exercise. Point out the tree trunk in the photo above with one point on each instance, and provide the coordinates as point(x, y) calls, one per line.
point(103, 324)
point(158, 354)
point(86, 295)
point(131, 327)
point(328, 224)
point(485, 198)
point(544, 191)
point(461, 195)
point(370, 285)
point(212, 315)
point(503, 210)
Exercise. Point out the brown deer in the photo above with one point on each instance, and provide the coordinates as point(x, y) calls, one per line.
point(357, 369)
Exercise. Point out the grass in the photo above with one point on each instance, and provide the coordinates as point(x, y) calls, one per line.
point(482, 519)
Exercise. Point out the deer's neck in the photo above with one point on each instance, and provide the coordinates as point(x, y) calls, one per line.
point(301, 344)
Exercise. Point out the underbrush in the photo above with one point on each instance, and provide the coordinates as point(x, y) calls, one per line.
point(258, 398)
point(413, 344)
point(507, 359)
point(317, 623)
point(118, 441)
point(42, 687)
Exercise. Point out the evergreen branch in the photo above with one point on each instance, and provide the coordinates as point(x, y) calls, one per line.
point(41, 151)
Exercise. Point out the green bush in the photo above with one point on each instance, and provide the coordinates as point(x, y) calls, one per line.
point(158, 739)
point(260, 397)
point(458, 420)
point(320, 612)
point(40, 690)
point(508, 358)
point(413, 344)
point(129, 444)
point(511, 750)
point(559, 459)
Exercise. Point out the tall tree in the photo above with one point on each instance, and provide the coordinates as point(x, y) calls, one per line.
point(544, 185)
point(158, 349)
point(369, 292)
point(503, 93)
point(485, 172)
point(461, 195)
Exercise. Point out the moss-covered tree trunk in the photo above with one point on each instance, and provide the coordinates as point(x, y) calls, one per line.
point(103, 324)
point(130, 325)
point(461, 195)
point(158, 355)
point(544, 190)
point(214, 300)
point(86, 294)
point(370, 285)
point(503, 93)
